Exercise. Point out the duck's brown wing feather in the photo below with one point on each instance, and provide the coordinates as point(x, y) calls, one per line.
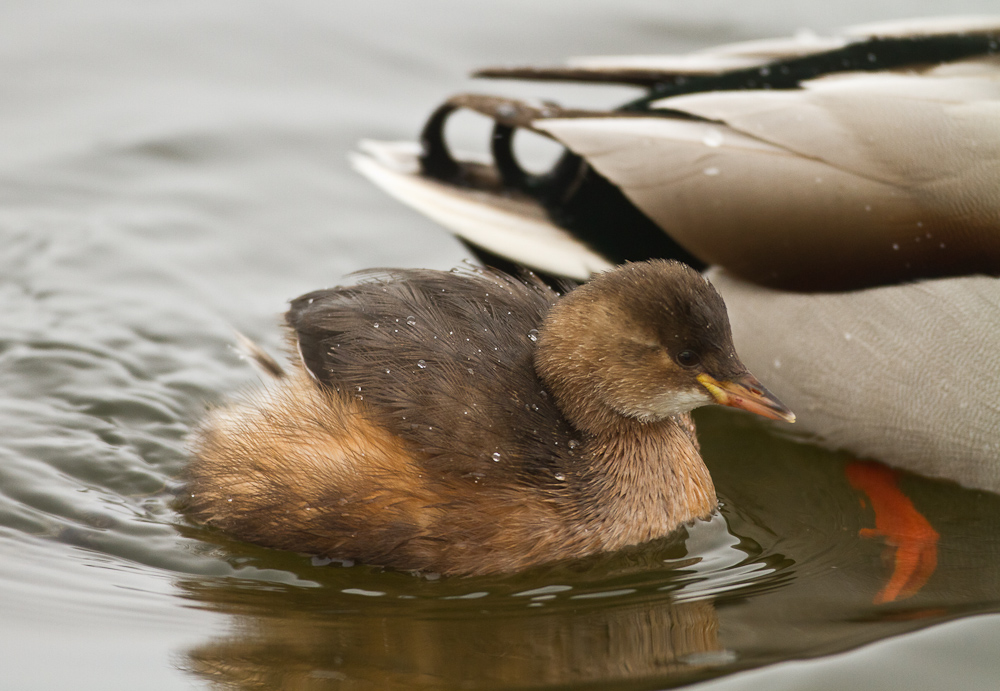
point(443, 360)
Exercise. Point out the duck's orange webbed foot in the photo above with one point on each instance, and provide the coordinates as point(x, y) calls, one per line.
point(904, 529)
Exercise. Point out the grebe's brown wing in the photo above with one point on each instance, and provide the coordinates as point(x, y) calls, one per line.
point(444, 360)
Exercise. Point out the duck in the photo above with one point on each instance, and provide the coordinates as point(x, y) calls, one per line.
point(471, 422)
point(842, 193)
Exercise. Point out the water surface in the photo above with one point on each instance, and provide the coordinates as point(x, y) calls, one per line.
point(171, 172)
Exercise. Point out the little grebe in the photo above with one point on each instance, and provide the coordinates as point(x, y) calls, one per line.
point(471, 422)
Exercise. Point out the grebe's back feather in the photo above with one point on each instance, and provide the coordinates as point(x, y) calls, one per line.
point(456, 381)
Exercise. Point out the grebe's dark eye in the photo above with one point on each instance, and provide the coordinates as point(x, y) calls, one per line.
point(688, 358)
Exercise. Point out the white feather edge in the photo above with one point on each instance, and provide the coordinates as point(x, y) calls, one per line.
point(926, 26)
point(745, 54)
point(732, 56)
point(693, 64)
point(515, 229)
point(982, 82)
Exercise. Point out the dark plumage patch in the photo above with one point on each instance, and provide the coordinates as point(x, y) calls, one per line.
point(443, 360)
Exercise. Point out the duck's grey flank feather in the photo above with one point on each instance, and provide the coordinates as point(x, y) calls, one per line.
point(905, 374)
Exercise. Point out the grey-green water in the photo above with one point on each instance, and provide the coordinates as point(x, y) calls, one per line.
point(172, 171)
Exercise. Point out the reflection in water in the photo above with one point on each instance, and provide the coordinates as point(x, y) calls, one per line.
point(908, 535)
point(662, 626)
point(403, 652)
point(717, 570)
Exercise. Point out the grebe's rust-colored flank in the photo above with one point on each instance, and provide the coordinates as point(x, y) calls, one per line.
point(471, 422)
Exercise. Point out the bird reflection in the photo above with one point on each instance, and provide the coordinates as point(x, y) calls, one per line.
point(306, 652)
point(663, 627)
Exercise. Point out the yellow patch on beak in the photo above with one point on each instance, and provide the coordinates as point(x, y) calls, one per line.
point(747, 393)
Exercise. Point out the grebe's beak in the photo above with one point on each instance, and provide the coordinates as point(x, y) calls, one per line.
point(746, 392)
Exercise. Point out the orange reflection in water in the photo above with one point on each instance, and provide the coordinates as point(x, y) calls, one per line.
point(902, 527)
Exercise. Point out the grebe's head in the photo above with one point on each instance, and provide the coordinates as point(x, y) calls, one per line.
point(645, 341)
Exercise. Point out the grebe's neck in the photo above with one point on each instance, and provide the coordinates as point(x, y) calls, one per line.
point(645, 478)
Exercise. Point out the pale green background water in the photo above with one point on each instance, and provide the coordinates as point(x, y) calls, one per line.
point(170, 171)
